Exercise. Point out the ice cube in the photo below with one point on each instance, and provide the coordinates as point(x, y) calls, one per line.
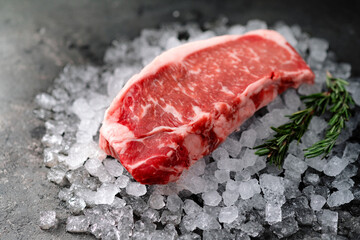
point(230, 197)
point(252, 228)
point(84, 137)
point(88, 195)
point(161, 235)
point(198, 167)
point(222, 175)
point(220, 154)
point(273, 189)
point(94, 151)
point(148, 53)
point(317, 202)
point(120, 76)
point(174, 203)
point(305, 216)
point(150, 214)
point(257, 202)
point(48, 220)
point(232, 185)
point(156, 201)
point(201, 220)
point(350, 171)
point(259, 165)
point(172, 42)
point(316, 163)
point(335, 166)
point(106, 194)
point(56, 128)
point(77, 224)
point(232, 147)
point(317, 124)
point(249, 188)
point(122, 181)
point(272, 213)
point(76, 204)
point(95, 168)
point(88, 127)
point(82, 109)
point(310, 138)
point(202, 36)
point(136, 189)
point(277, 103)
point(262, 130)
point(318, 54)
point(249, 158)
point(248, 138)
point(339, 198)
point(228, 214)
point(52, 140)
point(318, 48)
point(291, 99)
point(311, 178)
point(286, 228)
point(192, 183)
point(45, 101)
point(295, 164)
point(190, 236)
point(50, 157)
point(297, 149)
point(191, 207)
point(168, 217)
point(57, 175)
point(78, 154)
point(232, 164)
point(274, 118)
point(291, 188)
point(210, 168)
point(98, 101)
point(60, 94)
point(65, 194)
point(113, 167)
point(308, 191)
point(292, 175)
point(343, 70)
point(328, 220)
point(307, 89)
point(236, 29)
point(244, 175)
point(212, 198)
point(118, 203)
point(288, 34)
point(351, 152)
point(343, 184)
point(354, 89)
point(274, 170)
point(255, 24)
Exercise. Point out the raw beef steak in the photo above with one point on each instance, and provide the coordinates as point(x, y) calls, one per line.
point(189, 99)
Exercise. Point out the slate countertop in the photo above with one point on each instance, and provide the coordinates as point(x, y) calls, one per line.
point(39, 37)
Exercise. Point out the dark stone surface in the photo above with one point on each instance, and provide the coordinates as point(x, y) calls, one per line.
point(39, 37)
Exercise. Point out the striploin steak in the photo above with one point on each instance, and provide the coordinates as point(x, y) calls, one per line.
point(186, 102)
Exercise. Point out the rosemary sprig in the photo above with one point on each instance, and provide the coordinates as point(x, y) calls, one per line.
point(341, 101)
point(337, 100)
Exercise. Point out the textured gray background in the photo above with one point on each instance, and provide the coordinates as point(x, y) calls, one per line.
point(38, 37)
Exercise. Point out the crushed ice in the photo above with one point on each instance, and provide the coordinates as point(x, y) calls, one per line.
point(230, 194)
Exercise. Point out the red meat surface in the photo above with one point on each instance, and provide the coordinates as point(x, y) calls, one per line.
point(185, 103)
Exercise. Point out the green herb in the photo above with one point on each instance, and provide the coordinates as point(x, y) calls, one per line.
point(336, 100)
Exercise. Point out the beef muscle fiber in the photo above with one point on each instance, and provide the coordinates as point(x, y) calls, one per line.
point(186, 102)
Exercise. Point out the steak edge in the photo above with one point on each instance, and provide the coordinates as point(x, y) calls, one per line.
point(185, 103)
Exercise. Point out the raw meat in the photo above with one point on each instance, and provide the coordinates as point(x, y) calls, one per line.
point(186, 102)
